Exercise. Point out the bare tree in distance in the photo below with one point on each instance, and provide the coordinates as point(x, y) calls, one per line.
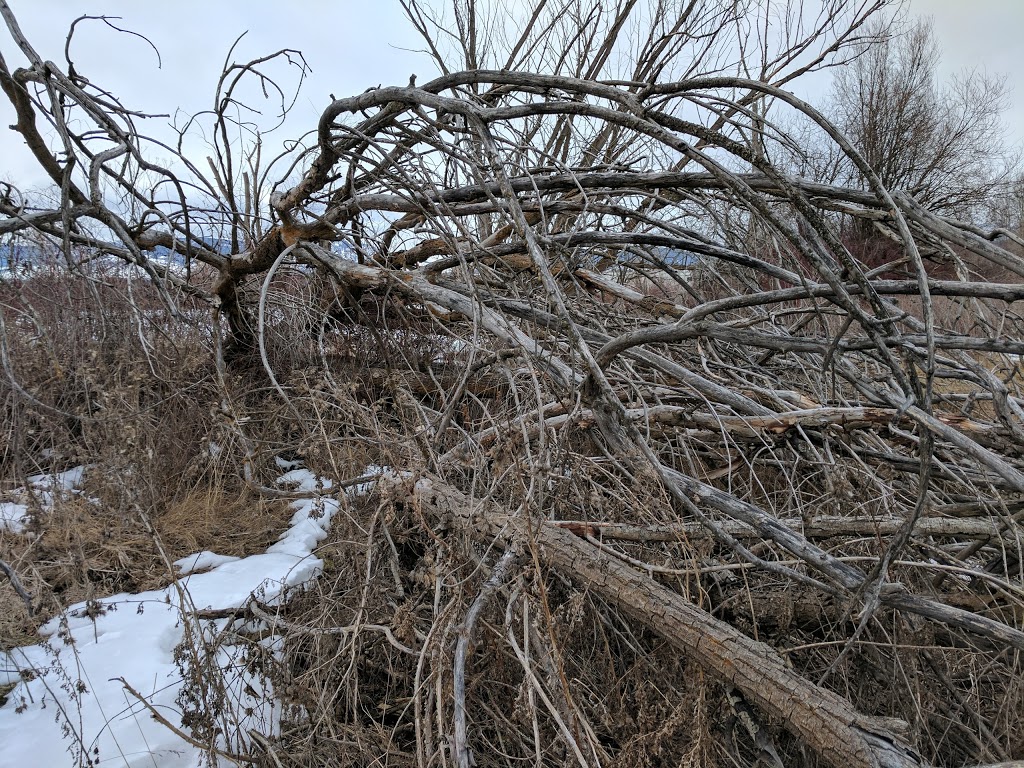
point(945, 144)
point(643, 401)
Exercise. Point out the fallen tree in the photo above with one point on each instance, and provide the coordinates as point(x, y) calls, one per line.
point(604, 304)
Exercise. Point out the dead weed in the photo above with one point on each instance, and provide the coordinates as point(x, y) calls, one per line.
point(88, 547)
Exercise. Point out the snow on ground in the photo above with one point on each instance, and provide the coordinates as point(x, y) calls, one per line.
point(14, 515)
point(73, 707)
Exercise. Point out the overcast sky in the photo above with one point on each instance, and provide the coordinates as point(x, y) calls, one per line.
point(352, 45)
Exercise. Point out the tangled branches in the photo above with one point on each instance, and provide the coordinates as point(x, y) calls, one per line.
point(601, 326)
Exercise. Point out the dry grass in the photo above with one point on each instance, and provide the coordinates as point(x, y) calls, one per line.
point(353, 695)
point(86, 548)
point(167, 452)
point(133, 394)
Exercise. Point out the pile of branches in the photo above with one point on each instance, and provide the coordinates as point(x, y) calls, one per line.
point(640, 397)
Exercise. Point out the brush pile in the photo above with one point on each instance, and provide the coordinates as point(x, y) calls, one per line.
point(678, 475)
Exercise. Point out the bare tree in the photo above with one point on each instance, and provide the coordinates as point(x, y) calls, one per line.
point(945, 145)
point(628, 370)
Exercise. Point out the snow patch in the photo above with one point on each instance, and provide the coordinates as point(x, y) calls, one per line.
point(73, 700)
point(202, 561)
point(14, 515)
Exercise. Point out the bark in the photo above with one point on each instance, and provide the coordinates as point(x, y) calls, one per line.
point(821, 527)
point(823, 720)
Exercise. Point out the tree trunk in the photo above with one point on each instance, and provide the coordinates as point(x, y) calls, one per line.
point(823, 720)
